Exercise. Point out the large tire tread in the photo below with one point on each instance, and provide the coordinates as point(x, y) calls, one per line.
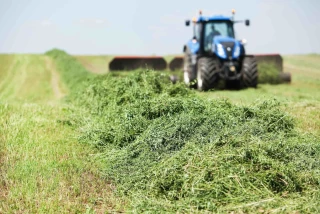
point(208, 71)
point(249, 72)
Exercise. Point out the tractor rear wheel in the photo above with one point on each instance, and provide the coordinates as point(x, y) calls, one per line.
point(207, 73)
point(249, 72)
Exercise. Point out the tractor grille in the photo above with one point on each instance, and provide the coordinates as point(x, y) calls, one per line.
point(228, 46)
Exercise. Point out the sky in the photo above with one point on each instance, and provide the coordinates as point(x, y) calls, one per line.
point(144, 27)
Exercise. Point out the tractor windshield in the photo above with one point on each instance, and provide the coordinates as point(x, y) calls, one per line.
point(219, 28)
point(216, 28)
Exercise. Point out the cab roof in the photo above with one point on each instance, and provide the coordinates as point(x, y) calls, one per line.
point(213, 18)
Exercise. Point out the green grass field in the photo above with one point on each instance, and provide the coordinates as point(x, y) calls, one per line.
point(43, 169)
point(95, 64)
point(65, 152)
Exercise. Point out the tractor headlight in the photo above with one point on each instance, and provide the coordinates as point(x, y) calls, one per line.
point(236, 52)
point(220, 51)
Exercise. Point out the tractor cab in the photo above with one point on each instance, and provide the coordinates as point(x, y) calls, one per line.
point(215, 35)
point(214, 53)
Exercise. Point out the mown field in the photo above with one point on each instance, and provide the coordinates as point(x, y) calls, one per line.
point(74, 141)
point(43, 168)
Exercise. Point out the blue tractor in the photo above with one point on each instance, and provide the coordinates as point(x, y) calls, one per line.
point(213, 54)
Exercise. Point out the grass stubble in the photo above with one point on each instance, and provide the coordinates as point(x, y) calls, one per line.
point(43, 168)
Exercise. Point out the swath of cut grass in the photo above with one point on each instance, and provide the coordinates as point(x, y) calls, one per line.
point(72, 72)
point(170, 150)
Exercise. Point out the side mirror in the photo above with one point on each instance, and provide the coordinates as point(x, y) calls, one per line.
point(247, 22)
point(187, 22)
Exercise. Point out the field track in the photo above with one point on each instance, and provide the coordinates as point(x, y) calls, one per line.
point(29, 78)
point(55, 78)
point(43, 169)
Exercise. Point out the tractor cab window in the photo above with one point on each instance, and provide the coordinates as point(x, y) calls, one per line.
point(217, 28)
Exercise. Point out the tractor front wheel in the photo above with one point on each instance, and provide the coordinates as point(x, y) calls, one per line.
point(207, 73)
